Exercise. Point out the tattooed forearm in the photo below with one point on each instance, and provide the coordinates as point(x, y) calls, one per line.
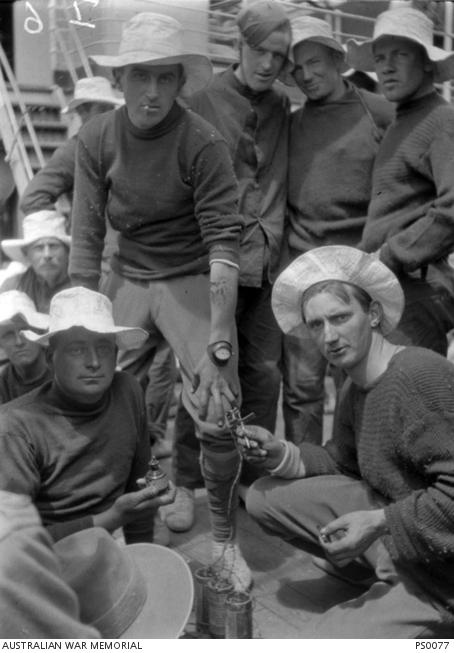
point(220, 291)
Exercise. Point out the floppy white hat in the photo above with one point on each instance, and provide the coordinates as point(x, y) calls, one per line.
point(155, 39)
point(42, 224)
point(14, 303)
point(81, 307)
point(336, 263)
point(92, 89)
point(408, 23)
point(136, 591)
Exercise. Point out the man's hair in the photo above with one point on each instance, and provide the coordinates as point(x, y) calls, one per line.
point(339, 289)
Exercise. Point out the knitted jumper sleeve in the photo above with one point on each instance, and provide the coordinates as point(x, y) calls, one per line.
point(89, 227)
point(430, 237)
point(52, 181)
point(421, 520)
point(141, 529)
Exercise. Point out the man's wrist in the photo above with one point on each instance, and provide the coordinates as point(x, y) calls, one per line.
point(220, 352)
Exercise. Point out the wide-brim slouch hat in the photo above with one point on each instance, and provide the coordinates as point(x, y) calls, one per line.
point(336, 263)
point(256, 21)
point(408, 23)
point(310, 28)
point(93, 89)
point(140, 591)
point(91, 310)
point(41, 224)
point(154, 39)
point(16, 304)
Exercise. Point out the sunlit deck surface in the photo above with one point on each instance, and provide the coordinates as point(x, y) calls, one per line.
point(288, 589)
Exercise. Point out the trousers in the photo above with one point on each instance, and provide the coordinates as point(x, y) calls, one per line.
point(259, 345)
point(392, 605)
point(178, 310)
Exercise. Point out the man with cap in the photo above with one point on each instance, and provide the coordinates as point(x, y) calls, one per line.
point(78, 444)
point(27, 367)
point(92, 95)
point(375, 504)
point(334, 139)
point(410, 221)
point(86, 585)
point(163, 177)
point(252, 114)
point(44, 250)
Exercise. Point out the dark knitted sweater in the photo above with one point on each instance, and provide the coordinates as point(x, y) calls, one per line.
point(170, 191)
point(35, 287)
point(52, 181)
point(412, 206)
point(255, 126)
point(331, 155)
point(74, 461)
point(12, 386)
point(398, 436)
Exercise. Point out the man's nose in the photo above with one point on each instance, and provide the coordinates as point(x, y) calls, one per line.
point(92, 358)
point(387, 64)
point(306, 73)
point(47, 252)
point(152, 86)
point(330, 333)
point(19, 339)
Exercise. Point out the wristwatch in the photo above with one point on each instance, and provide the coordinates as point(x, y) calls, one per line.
point(220, 352)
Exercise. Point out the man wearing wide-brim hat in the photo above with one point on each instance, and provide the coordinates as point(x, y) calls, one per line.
point(163, 177)
point(374, 505)
point(334, 138)
point(92, 95)
point(251, 111)
point(27, 366)
point(44, 250)
point(78, 443)
point(410, 220)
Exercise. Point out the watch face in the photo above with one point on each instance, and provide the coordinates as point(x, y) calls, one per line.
point(222, 354)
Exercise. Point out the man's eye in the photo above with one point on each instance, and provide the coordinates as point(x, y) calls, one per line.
point(104, 350)
point(166, 79)
point(76, 350)
point(339, 319)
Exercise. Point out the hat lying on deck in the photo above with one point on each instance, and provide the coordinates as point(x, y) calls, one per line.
point(133, 591)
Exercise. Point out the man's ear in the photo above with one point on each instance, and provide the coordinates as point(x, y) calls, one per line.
point(375, 314)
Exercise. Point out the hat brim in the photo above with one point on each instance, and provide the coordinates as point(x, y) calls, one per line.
point(323, 40)
point(360, 56)
point(35, 320)
point(336, 263)
point(13, 247)
point(170, 593)
point(125, 337)
point(197, 67)
point(74, 103)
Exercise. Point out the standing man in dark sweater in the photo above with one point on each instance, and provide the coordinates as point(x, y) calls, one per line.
point(92, 95)
point(163, 177)
point(376, 503)
point(410, 221)
point(334, 139)
point(78, 443)
point(252, 114)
